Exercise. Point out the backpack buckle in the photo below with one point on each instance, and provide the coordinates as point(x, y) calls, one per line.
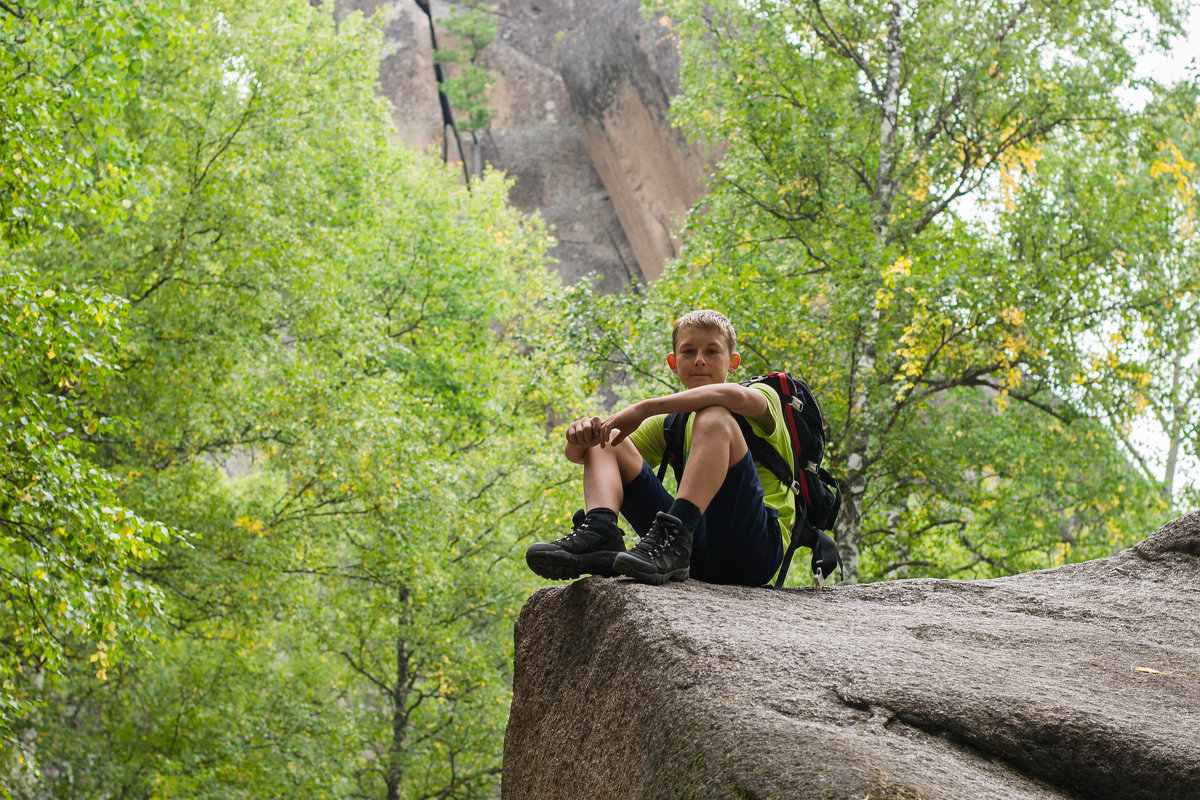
point(795, 402)
point(796, 489)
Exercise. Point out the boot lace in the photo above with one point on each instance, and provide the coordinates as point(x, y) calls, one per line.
point(574, 535)
point(657, 541)
point(583, 530)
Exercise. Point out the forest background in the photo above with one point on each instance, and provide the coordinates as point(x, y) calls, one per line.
point(282, 400)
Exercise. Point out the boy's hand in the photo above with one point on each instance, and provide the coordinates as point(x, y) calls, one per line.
point(623, 423)
point(585, 433)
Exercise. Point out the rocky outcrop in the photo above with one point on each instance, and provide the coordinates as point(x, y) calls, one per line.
point(580, 102)
point(621, 72)
point(1076, 682)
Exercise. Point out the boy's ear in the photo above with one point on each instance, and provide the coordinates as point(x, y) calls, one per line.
point(735, 361)
point(671, 362)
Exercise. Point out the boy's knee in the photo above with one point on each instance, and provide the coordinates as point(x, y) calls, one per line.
point(715, 421)
point(625, 455)
point(716, 425)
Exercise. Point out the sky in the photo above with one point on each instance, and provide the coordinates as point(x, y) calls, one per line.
point(1174, 65)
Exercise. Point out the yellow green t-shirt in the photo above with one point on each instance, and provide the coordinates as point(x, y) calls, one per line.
point(651, 442)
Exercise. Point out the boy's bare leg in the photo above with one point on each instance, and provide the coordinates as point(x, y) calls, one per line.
point(717, 444)
point(606, 470)
point(665, 552)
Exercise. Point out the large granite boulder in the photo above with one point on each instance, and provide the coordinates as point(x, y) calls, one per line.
point(1076, 682)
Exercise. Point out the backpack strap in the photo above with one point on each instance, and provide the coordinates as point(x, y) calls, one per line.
point(762, 452)
point(791, 394)
point(674, 428)
point(797, 529)
point(825, 555)
point(803, 534)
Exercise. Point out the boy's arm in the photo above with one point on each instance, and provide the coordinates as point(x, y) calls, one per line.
point(739, 399)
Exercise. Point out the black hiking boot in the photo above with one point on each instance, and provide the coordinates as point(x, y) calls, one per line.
point(664, 553)
point(589, 549)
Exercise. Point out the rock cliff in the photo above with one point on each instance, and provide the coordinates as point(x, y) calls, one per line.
point(1076, 682)
point(580, 101)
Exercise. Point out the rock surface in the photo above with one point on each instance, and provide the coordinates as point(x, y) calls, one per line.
point(621, 72)
point(580, 104)
point(1076, 682)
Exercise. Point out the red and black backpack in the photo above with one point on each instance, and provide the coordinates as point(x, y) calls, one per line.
point(818, 499)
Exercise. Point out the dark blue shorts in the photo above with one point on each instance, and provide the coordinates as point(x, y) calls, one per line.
point(737, 540)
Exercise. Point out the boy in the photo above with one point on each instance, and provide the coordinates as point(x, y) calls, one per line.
point(729, 521)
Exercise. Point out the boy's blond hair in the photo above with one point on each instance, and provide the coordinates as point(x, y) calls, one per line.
point(706, 320)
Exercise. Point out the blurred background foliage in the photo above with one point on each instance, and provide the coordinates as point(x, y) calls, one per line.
point(276, 397)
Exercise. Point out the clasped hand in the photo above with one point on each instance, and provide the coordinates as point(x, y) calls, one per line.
point(589, 432)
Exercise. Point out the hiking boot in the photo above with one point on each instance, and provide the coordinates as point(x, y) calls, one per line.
point(664, 553)
point(589, 549)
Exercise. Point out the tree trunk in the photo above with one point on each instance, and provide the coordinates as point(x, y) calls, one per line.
point(444, 101)
point(476, 156)
point(849, 525)
point(885, 185)
point(1174, 423)
point(394, 774)
point(860, 417)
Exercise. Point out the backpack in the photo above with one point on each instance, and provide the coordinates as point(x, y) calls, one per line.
point(818, 499)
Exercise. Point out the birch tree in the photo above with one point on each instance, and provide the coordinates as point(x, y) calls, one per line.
point(1167, 437)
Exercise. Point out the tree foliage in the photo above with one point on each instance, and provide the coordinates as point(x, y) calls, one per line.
point(1167, 341)
point(70, 550)
point(277, 393)
point(473, 30)
point(334, 367)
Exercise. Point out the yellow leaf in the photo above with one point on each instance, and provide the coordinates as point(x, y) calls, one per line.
point(1013, 316)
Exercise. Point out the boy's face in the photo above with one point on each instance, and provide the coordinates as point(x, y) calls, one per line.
point(702, 358)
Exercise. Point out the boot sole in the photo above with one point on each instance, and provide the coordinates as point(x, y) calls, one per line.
point(646, 573)
point(562, 566)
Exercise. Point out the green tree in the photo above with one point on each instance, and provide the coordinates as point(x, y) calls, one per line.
point(67, 74)
point(71, 553)
point(466, 89)
point(473, 30)
point(1167, 341)
point(335, 365)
